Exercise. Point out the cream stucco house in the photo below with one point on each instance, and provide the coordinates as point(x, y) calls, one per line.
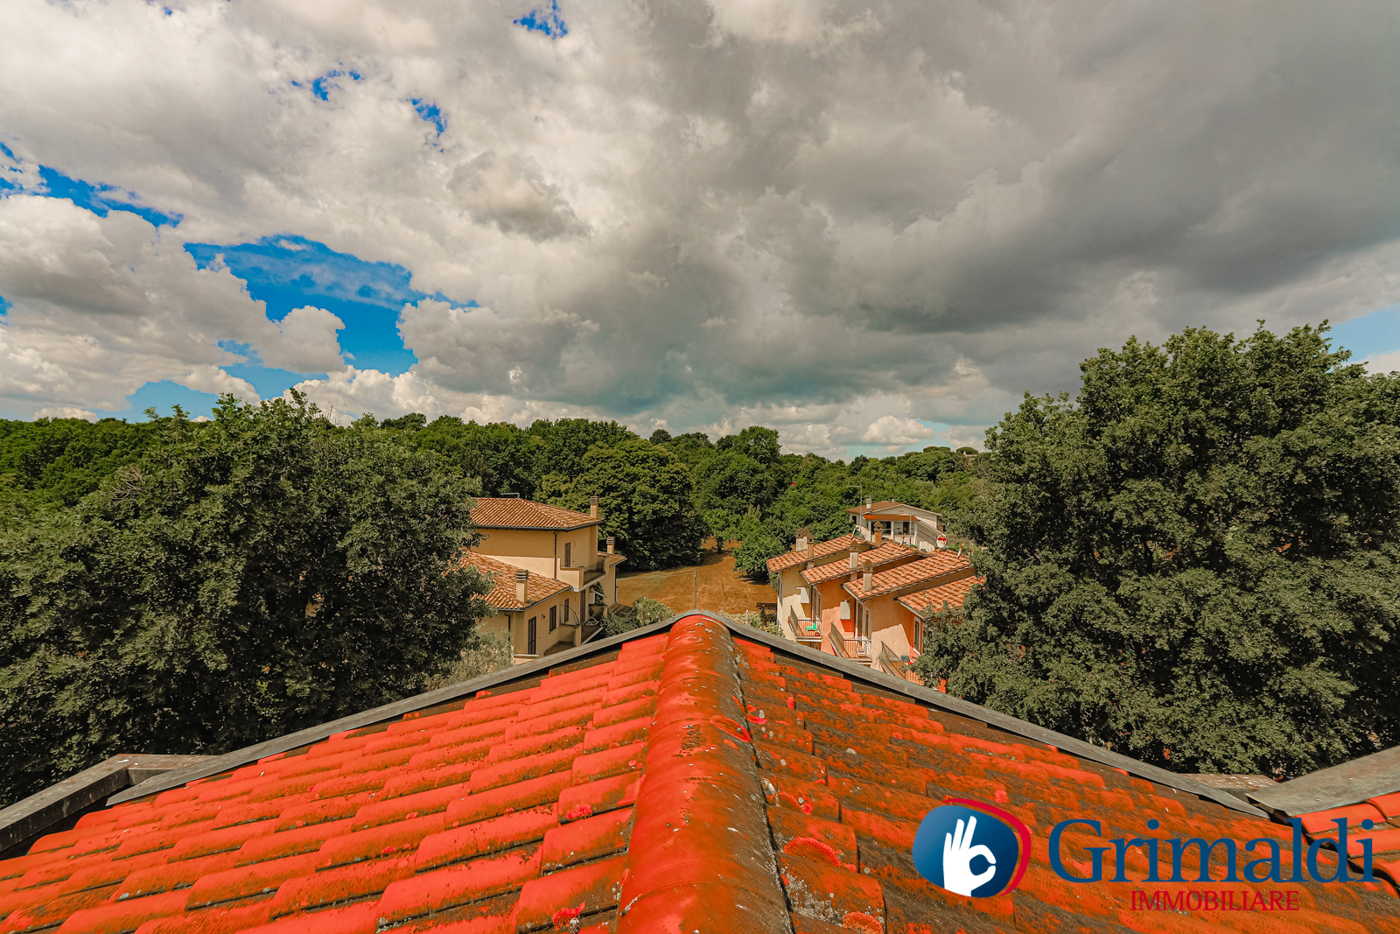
point(549, 575)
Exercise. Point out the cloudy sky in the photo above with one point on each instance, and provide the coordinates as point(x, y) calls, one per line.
point(872, 225)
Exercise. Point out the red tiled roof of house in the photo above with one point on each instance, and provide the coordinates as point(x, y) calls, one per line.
point(819, 550)
point(889, 551)
point(502, 576)
point(953, 594)
point(689, 780)
point(508, 512)
point(935, 565)
point(1383, 811)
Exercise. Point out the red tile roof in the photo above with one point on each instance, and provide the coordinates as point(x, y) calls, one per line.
point(686, 780)
point(502, 577)
point(1383, 836)
point(889, 551)
point(952, 594)
point(507, 512)
point(905, 575)
point(792, 559)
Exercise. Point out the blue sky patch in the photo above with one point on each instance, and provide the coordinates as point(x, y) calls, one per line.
point(430, 113)
point(1373, 333)
point(288, 272)
point(323, 85)
point(270, 382)
point(4, 306)
point(548, 21)
point(98, 198)
point(163, 396)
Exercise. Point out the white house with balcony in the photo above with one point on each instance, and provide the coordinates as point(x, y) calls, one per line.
point(899, 522)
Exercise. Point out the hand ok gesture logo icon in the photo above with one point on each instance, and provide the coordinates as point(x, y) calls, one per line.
point(958, 853)
point(971, 848)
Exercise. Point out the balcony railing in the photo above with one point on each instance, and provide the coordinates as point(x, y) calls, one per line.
point(894, 665)
point(802, 629)
point(856, 648)
point(580, 576)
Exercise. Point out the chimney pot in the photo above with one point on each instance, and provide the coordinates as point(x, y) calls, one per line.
point(593, 507)
point(801, 543)
point(612, 543)
point(522, 578)
point(879, 533)
point(867, 502)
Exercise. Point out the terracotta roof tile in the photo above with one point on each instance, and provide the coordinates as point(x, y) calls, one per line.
point(690, 780)
point(884, 554)
point(953, 594)
point(927, 569)
point(502, 577)
point(792, 559)
point(1373, 824)
point(508, 512)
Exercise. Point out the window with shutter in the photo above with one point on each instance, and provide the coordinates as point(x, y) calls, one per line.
point(553, 618)
point(530, 639)
point(568, 554)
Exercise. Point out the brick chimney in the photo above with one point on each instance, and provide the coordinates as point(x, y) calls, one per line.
point(879, 532)
point(522, 577)
point(593, 507)
point(868, 580)
point(612, 543)
point(855, 557)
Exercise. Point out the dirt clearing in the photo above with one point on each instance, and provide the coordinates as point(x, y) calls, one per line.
point(712, 585)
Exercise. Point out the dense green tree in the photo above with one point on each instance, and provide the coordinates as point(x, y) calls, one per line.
point(693, 448)
point(1195, 562)
point(502, 457)
point(61, 460)
point(645, 494)
point(245, 578)
point(413, 421)
point(756, 442)
point(660, 436)
point(566, 441)
point(757, 545)
point(731, 484)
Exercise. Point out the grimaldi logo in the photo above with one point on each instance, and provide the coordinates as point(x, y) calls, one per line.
point(972, 848)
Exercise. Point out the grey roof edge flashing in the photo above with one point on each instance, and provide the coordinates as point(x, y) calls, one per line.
point(391, 711)
point(1349, 783)
point(852, 670)
point(27, 819)
point(1068, 744)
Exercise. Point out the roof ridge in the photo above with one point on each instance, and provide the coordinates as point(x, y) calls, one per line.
point(703, 799)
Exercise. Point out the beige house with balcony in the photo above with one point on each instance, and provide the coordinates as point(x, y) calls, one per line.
point(568, 579)
point(887, 602)
point(795, 594)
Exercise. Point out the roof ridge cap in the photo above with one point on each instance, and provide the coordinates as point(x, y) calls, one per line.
point(704, 806)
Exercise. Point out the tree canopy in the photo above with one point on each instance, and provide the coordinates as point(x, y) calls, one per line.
point(1194, 562)
point(242, 579)
point(645, 494)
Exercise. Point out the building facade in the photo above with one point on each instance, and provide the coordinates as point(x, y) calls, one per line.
point(568, 579)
